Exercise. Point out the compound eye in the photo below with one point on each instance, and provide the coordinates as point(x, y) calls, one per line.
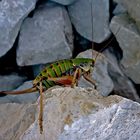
point(81, 65)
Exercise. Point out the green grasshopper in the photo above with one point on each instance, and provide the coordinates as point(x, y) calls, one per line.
point(64, 72)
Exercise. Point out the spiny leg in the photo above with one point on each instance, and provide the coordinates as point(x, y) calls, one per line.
point(41, 108)
point(88, 78)
point(75, 77)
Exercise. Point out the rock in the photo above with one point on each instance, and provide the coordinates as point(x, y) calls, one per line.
point(12, 13)
point(133, 8)
point(75, 114)
point(80, 14)
point(22, 98)
point(100, 74)
point(64, 2)
point(120, 121)
point(119, 9)
point(10, 82)
point(15, 119)
point(46, 37)
point(128, 38)
point(122, 85)
point(63, 106)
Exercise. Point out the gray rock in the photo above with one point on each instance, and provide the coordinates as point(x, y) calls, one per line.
point(22, 98)
point(120, 121)
point(46, 37)
point(15, 119)
point(64, 2)
point(129, 40)
point(10, 82)
point(122, 85)
point(133, 8)
point(80, 14)
point(119, 9)
point(63, 107)
point(12, 14)
point(100, 74)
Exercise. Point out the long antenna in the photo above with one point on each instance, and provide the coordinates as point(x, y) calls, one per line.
point(92, 37)
point(92, 29)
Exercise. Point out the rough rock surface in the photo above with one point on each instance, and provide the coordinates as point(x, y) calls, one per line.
point(46, 37)
point(120, 121)
point(100, 74)
point(128, 37)
point(63, 106)
point(15, 119)
point(119, 9)
point(22, 98)
point(10, 82)
point(133, 8)
point(122, 85)
point(80, 14)
point(75, 114)
point(64, 2)
point(12, 13)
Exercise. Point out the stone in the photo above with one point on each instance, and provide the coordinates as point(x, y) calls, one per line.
point(133, 8)
point(119, 9)
point(64, 106)
point(81, 17)
point(64, 2)
point(21, 98)
point(120, 121)
point(12, 13)
point(15, 119)
point(45, 37)
point(128, 37)
point(75, 114)
point(11, 81)
point(100, 74)
point(123, 86)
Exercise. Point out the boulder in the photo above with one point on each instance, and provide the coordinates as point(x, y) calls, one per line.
point(82, 19)
point(12, 14)
point(123, 86)
point(75, 114)
point(128, 37)
point(133, 8)
point(45, 37)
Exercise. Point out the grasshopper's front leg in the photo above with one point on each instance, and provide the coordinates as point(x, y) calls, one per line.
point(88, 78)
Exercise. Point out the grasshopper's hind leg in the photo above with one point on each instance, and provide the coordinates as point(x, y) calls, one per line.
point(41, 109)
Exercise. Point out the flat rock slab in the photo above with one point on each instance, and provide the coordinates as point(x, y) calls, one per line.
point(128, 37)
point(45, 37)
point(82, 19)
point(64, 107)
point(12, 13)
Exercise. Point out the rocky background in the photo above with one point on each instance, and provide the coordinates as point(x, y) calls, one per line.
point(34, 33)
